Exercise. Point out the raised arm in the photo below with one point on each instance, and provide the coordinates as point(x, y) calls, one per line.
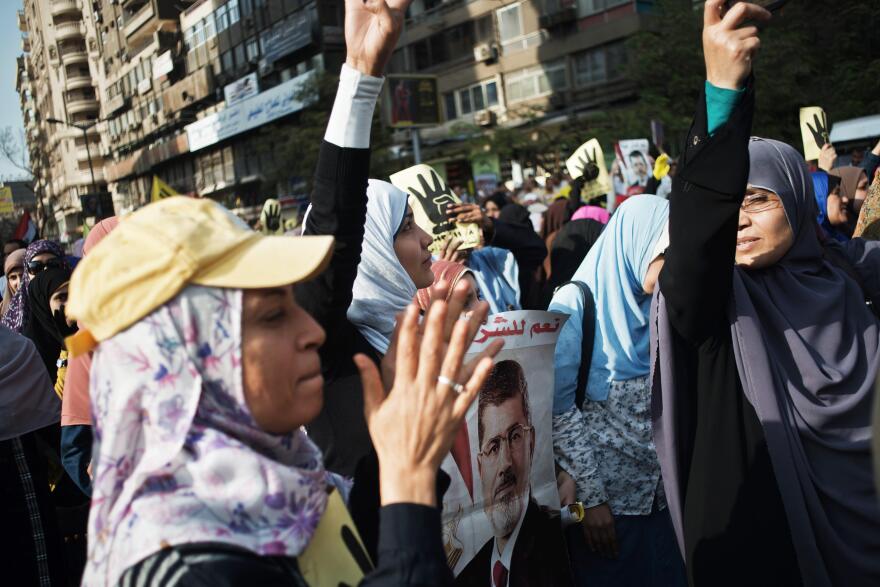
point(339, 198)
point(708, 191)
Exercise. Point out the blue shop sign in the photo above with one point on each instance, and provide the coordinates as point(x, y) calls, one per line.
point(289, 35)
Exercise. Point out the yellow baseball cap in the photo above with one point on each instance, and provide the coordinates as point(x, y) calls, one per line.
point(166, 245)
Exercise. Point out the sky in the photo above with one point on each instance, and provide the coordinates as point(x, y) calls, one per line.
point(10, 48)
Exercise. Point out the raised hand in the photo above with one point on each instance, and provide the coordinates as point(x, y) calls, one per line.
point(819, 132)
point(413, 427)
point(465, 213)
point(589, 168)
point(372, 29)
point(451, 251)
point(728, 49)
point(827, 156)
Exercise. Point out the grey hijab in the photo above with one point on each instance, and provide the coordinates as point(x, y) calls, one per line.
point(807, 351)
point(27, 400)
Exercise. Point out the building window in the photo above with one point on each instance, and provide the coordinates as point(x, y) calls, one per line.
point(588, 7)
point(222, 19)
point(454, 43)
point(240, 59)
point(210, 30)
point(232, 10)
point(253, 49)
point(471, 99)
point(464, 100)
point(451, 111)
point(600, 65)
point(198, 34)
point(533, 82)
point(510, 25)
point(228, 61)
point(492, 93)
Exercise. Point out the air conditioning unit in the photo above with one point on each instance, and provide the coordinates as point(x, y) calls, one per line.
point(484, 118)
point(485, 52)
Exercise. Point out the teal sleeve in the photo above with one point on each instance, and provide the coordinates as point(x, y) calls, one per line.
point(720, 104)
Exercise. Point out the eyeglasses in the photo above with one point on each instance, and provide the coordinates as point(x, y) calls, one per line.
point(760, 203)
point(514, 439)
point(35, 267)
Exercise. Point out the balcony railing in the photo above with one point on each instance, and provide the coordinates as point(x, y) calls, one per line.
point(60, 7)
point(77, 82)
point(80, 104)
point(69, 30)
point(139, 19)
point(73, 54)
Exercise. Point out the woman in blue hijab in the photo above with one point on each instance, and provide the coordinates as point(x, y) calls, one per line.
point(833, 206)
point(606, 444)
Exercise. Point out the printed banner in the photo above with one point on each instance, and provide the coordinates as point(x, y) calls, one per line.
point(7, 206)
point(429, 196)
point(411, 101)
point(634, 167)
point(502, 504)
point(814, 131)
point(590, 152)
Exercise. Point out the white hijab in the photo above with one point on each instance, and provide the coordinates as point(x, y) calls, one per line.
point(382, 288)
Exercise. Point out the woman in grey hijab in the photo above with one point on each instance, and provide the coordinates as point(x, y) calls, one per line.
point(806, 352)
point(765, 356)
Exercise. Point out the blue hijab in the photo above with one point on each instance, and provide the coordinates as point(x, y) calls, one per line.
point(614, 270)
point(497, 274)
point(822, 187)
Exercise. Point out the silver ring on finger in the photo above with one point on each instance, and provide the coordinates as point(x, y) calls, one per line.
point(456, 387)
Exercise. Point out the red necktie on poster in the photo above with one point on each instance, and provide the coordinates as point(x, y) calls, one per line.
point(499, 574)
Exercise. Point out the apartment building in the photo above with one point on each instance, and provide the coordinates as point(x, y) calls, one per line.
point(190, 94)
point(502, 64)
point(57, 81)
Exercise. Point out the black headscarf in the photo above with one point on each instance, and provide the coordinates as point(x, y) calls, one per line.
point(499, 198)
point(516, 214)
point(46, 329)
point(570, 246)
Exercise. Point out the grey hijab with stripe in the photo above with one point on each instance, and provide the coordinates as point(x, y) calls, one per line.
point(807, 351)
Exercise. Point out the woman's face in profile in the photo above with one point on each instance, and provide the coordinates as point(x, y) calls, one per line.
point(281, 369)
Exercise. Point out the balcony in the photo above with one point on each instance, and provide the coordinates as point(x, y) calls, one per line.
point(25, 44)
point(81, 104)
point(76, 54)
point(61, 7)
point(22, 21)
point(137, 20)
point(70, 30)
point(94, 151)
point(78, 82)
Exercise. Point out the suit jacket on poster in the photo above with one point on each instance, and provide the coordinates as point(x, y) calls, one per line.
point(540, 557)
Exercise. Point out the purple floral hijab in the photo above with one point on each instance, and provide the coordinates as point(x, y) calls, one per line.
point(178, 457)
point(16, 317)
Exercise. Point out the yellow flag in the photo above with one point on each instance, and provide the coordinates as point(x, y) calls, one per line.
point(161, 190)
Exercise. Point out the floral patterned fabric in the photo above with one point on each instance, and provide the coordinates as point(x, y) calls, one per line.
point(178, 457)
point(16, 316)
point(608, 449)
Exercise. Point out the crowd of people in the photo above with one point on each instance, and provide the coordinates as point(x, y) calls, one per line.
point(193, 402)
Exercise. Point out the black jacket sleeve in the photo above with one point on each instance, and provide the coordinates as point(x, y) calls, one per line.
point(410, 548)
point(338, 208)
point(707, 193)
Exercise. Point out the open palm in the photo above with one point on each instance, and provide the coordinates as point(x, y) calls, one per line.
point(372, 28)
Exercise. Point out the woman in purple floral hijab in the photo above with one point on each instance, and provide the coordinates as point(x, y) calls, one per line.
point(175, 465)
point(17, 315)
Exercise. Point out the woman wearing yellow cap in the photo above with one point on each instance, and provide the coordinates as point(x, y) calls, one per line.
point(204, 371)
